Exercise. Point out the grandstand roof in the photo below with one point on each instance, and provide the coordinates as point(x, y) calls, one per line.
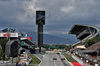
point(84, 32)
point(76, 28)
point(8, 30)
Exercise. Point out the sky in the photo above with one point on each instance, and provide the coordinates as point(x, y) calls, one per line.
point(61, 15)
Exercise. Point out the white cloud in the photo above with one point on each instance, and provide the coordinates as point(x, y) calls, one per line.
point(67, 9)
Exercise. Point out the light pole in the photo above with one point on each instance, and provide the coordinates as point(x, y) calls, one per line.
point(70, 44)
point(97, 54)
point(69, 41)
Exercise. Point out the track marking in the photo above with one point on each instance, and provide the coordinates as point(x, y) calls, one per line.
point(55, 63)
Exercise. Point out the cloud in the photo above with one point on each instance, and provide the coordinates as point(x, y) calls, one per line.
point(67, 9)
point(60, 14)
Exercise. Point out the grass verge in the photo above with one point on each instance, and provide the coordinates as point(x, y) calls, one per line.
point(69, 58)
point(35, 60)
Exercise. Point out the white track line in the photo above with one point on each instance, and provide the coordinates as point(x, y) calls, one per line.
point(55, 63)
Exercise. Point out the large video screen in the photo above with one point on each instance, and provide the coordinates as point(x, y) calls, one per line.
point(40, 17)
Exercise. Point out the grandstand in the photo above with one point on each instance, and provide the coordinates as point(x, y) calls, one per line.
point(93, 48)
point(14, 35)
point(10, 33)
point(92, 53)
point(84, 32)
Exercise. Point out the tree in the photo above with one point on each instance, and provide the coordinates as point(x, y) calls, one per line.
point(1, 54)
point(46, 46)
point(60, 46)
point(3, 41)
point(68, 47)
point(92, 41)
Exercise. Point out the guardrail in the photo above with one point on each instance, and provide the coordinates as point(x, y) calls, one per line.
point(6, 63)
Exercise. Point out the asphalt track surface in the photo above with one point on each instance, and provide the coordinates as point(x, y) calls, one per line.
point(47, 60)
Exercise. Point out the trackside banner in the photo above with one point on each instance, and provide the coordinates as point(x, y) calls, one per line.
point(8, 34)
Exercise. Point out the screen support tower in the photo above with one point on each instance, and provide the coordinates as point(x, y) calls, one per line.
point(40, 36)
point(40, 21)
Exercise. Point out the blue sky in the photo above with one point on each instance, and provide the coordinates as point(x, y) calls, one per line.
point(61, 15)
